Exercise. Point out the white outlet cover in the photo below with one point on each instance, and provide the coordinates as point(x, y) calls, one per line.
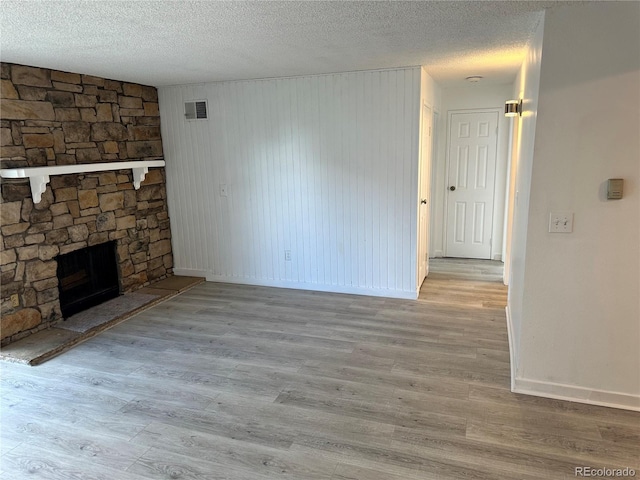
point(561, 222)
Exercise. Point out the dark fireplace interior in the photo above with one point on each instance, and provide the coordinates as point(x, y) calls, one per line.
point(87, 277)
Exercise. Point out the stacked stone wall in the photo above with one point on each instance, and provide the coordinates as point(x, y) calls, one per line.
point(49, 117)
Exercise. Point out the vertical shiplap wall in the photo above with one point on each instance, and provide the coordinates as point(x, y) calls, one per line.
point(325, 166)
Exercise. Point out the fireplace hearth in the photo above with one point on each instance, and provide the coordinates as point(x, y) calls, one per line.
point(87, 277)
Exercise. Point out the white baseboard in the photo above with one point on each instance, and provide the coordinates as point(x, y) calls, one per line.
point(318, 287)
point(370, 292)
point(573, 393)
point(559, 391)
point(497, 257)
point(438, 254)
point(513, 362)
point(188, 272)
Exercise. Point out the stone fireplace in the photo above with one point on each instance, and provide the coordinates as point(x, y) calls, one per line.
point(87, 277)
point(49, 118)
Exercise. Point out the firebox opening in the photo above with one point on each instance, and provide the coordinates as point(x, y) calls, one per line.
point(87, 277)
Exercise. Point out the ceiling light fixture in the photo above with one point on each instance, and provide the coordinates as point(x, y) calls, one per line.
point(474, 78)
point(513, 108)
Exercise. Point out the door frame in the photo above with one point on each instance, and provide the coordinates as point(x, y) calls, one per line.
point(425, 167)
point(435, 138)
point(445, 227)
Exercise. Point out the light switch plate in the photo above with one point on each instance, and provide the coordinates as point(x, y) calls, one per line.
point(561, 222)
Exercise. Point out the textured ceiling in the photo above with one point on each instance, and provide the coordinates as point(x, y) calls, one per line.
point(175, 42)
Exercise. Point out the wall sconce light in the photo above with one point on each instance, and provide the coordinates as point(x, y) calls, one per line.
point(513, 108)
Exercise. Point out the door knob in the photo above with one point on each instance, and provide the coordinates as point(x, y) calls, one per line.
point(423, 201)
point(452, 188)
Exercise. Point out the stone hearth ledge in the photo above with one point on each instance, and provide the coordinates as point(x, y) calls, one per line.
point(46, 344)
point(39, 176)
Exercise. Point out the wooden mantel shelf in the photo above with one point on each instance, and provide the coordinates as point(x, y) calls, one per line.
point(39, 176)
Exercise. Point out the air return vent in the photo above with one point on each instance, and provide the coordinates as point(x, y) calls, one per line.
point(195, 110)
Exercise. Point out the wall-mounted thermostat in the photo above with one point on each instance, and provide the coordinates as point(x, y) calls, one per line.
point(614, 188)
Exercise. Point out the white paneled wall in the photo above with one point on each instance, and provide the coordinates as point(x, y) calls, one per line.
point(322, 166)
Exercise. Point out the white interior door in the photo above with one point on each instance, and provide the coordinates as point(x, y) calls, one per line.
point(424, 189)
point(471, 179)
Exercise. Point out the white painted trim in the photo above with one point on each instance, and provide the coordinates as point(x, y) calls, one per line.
point(497, 257)
point(39, 176)
point(512, 352)
point(574, 393)
point(369, 292)
point(189, 272)
point(314, 287)
point(79, 168)
point(438, 254)
point(445, 203)
point(421, 160)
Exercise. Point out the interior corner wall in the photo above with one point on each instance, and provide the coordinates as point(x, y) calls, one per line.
point(580, 310)
point(323, 167)
point(526, 87)
point(473, 96)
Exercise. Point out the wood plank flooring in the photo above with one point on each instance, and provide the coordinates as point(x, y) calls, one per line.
point(238, 382)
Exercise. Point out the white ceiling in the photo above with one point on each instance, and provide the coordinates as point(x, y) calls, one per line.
point(166, 42)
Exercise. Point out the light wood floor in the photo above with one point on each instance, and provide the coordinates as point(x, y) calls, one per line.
point(238, 382)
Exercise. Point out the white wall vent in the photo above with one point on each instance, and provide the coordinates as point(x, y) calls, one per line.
point(196, 110)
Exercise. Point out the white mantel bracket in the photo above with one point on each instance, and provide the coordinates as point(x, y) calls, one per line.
point(39, 176)
point(138, 175)
point(38, 186)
